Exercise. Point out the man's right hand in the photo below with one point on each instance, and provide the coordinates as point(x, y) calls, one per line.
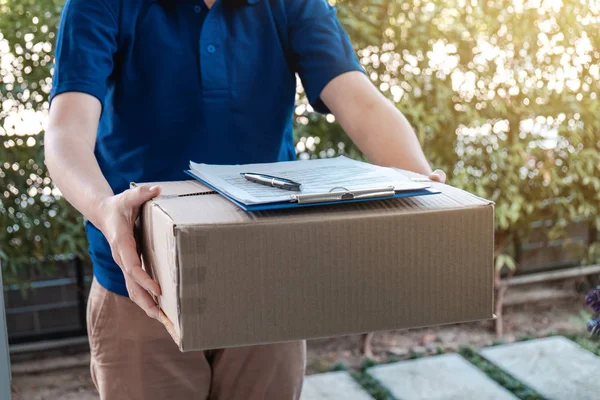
point(116, 216)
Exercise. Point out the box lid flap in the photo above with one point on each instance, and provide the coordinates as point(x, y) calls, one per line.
point(191, 203)
point(179, 188)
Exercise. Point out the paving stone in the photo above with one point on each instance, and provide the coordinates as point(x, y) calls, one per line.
point(332, 385)
point(443, 377)
point(555, 367)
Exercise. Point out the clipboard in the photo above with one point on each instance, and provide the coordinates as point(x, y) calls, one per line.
point(337, 195)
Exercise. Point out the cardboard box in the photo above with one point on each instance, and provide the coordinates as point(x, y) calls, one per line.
point(232, 278)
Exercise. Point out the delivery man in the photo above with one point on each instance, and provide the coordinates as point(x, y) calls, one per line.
point(140, 88)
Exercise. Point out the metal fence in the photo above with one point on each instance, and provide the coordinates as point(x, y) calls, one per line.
point(537, 254)
point(50, 308)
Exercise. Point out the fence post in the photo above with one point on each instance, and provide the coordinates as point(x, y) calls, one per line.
point(592, 234)
point(5, 376)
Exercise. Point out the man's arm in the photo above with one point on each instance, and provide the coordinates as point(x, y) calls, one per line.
point(379, 130)
point(69, 152)
point(325, 60)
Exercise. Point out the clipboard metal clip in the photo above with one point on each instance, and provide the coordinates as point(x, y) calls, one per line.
point(343, 194)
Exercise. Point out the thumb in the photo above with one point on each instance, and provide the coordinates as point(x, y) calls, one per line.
point(438, 176)
point(141, 194)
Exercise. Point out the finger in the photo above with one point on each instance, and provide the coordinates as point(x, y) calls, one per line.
point(143, 299)
point(132, 266)
point(438, 175)
point(135, 197)
point(168, 324)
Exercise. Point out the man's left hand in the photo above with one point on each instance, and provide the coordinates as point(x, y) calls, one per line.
point(438, 175)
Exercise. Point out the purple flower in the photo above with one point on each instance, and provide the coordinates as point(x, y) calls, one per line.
point(593, 297)
point(589, 299)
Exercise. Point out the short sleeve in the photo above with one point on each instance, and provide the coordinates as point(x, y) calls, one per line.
point(85, 47)
point(321, 49)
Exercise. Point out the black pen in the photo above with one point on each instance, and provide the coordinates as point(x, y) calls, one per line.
point(273, 181)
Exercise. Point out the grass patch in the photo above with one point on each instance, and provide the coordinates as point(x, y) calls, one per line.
point(525, 338)
point(366, 381)
point(513, 385)
point(591, 345)
point(338, 367)
point(372, 386)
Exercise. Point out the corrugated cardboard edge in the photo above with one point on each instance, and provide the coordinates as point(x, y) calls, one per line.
point(188, 188)
point(184, 346)
point(353, 333)
point(485, 203)
point(487, 209)
point(194, 189)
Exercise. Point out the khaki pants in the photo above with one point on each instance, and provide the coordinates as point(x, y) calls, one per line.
point(133, 357)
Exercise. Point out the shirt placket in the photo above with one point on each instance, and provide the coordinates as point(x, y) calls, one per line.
point(212, 51)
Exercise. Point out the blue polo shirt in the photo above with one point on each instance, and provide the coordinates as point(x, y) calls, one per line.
point(180, 82)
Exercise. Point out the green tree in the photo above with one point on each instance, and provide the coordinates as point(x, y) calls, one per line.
point(35, 225)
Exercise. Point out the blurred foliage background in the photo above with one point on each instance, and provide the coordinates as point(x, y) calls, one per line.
point(503, 96)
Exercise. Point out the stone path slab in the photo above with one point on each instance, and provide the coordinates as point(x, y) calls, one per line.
point(555, 367)
point(332, 385)
point(443, 377)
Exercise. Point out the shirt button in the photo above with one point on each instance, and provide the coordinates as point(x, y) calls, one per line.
point(197, 9)
point(210, 48)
